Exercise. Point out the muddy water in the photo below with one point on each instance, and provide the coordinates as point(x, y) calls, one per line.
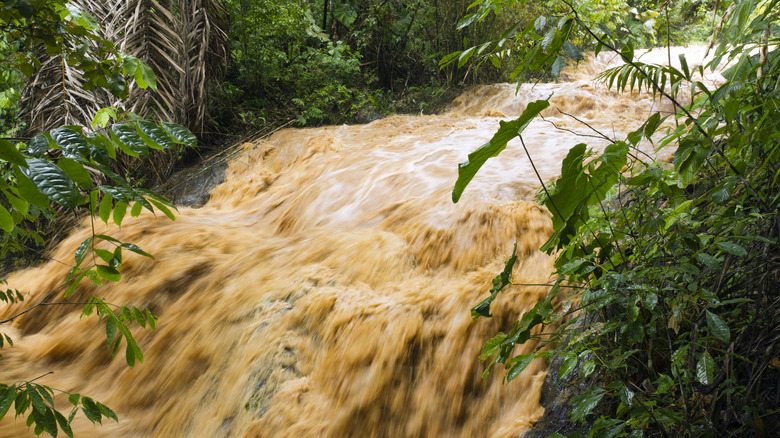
point(327, 284)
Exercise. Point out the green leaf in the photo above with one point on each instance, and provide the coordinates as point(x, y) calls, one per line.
point(154, 136)
point(128, 140)
point(162, 207)
point(74, 399)
point(573, 51)
point(732, 248)
point(518, 364)
point(120, 209)
point(108, 273)
point(567, 366)
point(507, 131)
point(38, 146)
point(151, 319)
point(139, 317)
point(708, 260)
point(76, 172)
point(103, 116)
point(35, 398)
point(104, 211)
point(705, 368)
point(136, 250)
point(588, 367)
point(6, 220)
point(135, 211)
point(718, 327)
point(64, 425)
point(72, 143)
point(91, 410)
point(584, 403)
point(28, 192)
point(111, 325)
point(6, 399)
point(180, 134)
point(501, 280)
point(108, 413)
point(144, 76)
point(8, 152)
point(558, 65)
point(52, 182)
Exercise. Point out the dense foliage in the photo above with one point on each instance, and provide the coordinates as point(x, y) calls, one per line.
point(674, 265)
point(71, 168)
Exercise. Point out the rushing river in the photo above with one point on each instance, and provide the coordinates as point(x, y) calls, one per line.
point(327, 283)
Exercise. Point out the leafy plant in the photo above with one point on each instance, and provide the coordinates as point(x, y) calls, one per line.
point(55, 170)
point(674, 264)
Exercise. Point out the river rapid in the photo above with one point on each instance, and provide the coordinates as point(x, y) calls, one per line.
point(324, 290)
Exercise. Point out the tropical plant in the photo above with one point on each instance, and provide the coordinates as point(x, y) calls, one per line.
point(183, 42)
point(674, 266)
point(55, 170)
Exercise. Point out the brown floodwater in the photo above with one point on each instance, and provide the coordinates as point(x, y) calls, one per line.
point(327, 283)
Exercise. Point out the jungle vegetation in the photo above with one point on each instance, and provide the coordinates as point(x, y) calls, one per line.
point(674, 266)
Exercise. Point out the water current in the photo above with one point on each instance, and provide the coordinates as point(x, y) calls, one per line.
point(327, 283)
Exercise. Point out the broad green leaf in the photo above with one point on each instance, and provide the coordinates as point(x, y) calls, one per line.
point(108, 273)
point(8, 152)
point(180, 134)
point(567, 366)
point(732, 248)
point(718, 327)
point(104, 211)
point(154, 136)
point(464, 57)
point(588, 367)
point(120, 209)
point(76, 172)
point(507, 131)
point(6, 220)
point(38, 146)
point(573, 51)
point(705, 368)
point(52, 182)
point(129, 65)
point(72, 143)
point(584, 403)
point(144, 76)
point(128, 140)
point(135, 211)
point(103, 116)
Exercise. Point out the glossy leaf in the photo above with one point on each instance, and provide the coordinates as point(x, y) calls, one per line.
point(52, 182)
point(180, 134)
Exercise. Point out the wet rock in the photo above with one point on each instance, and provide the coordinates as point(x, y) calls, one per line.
point(190, 187)
point(555, 397)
